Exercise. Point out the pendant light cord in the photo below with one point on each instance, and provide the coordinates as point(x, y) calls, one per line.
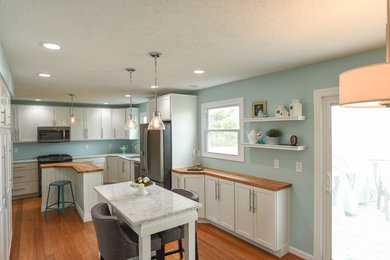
point(155, 83)
point(131, 94)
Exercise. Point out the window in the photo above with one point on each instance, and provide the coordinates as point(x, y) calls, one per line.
point(222, 130)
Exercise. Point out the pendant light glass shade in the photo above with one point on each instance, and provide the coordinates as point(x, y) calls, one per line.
point(156, 123)
point(72, 118)
point(368, 86)
point(131, 124)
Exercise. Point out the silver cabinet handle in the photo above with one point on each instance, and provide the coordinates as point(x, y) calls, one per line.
point(123, 167)
point(101, 132)
point(219, 191)
point(114, 132)
point(250, 201)
point(18, 177)
point(18, 189)
point(215, 190)
point(253, 201)
point(4, 116)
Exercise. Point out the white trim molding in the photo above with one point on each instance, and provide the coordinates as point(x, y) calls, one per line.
point(300, 253)
point(222, 103)
point(322, 99)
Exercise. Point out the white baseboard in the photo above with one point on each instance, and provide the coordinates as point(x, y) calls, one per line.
point(300, 253)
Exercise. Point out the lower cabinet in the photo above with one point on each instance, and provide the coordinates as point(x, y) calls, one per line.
point(194, 182)
point(25, 180)
point(262, 215)
point(220, 201)
point(118, 170)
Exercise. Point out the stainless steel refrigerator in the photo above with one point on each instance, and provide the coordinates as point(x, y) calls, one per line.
point(156, 154)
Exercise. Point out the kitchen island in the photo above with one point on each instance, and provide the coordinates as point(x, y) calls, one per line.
point(84, 177)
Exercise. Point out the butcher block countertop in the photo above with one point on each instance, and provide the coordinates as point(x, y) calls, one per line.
point(241, 178)
point(79, 167)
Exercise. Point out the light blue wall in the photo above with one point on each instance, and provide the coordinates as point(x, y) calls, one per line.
point(279, 88)
point(5, 72)
point(142, 107)
point(77, 148)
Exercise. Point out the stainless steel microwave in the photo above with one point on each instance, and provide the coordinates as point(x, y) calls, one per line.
point(54, 134)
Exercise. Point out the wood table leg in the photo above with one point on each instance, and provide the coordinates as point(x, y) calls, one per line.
point(189, 240)
point(144, 247)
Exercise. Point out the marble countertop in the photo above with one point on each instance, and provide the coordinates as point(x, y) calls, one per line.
point(159, 203)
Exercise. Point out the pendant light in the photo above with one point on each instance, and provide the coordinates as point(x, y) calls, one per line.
point(131, 124)
point(156, 123)
point(368, 86)
point(72, 118)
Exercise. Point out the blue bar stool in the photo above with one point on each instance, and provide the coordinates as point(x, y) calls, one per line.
point(60, 188)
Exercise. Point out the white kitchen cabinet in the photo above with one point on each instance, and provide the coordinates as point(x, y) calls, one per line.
point(133, 134)
point(175, 180)
point(119, 123)
point(61, 116)
point(77, 130)
point(92, 124)
point(52, 116)
point(164, 106)
point(25, 180)
point(112, 170)
point(124, 173)
point(195, 182)
point(220, 201)
point(106, 119)
point(27, 123)
point(263, 215)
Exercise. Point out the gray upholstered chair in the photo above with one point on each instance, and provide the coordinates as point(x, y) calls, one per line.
point(177, 233)
point(117, 242)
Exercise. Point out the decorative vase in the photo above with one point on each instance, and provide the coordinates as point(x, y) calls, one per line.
point(273, 140)
point(295, 108)
point(281, 111)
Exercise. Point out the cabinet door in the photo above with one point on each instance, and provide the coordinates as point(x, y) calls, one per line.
point(14, 123)
point(226, 203)
point(133, 134)
point(265, 217)
point(131, 170)
point(124, 170)
point(27, 127)
point(62, 116)
point(164, 106)
point(77, 130)
point(106, 124)
point(119, 123)
point(175, 180)
point(195, 182)
point(112, 170)
point(211, 199)
point(243, 208)
point(45, 116)
point(93, 129)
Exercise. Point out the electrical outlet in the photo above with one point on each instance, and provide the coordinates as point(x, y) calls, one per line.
point(298, 166)
point(86, 147)
point(16, 150)
point(276, 163)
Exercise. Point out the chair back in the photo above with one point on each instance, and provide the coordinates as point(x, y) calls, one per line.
point(113, 242)
point(190, 194)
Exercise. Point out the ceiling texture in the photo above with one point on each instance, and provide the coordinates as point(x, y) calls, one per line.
point(230, 39)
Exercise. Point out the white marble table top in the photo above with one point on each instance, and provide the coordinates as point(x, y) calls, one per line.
point(159, 203)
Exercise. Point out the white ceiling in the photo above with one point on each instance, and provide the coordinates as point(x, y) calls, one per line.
point(230, 39)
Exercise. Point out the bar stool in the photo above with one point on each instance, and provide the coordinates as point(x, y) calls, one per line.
point(60, 188)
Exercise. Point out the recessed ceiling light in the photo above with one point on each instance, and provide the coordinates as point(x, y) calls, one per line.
point(44, 75)
point(153, 86)
point(198, 71)
point(37, 99)
point(105, 103)
point(127, 95)
point(51, 46)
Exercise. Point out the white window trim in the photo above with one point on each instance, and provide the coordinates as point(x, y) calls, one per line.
point(240, 156)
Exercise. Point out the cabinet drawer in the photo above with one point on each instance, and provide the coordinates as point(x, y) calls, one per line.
point(25, 166)
point(25, 188)
point(25, 175)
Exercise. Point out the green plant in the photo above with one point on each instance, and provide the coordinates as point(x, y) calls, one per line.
point(274, 132)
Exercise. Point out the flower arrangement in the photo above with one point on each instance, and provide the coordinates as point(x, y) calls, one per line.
point(141, 182)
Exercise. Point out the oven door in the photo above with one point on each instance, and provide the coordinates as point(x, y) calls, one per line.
point(53, 134)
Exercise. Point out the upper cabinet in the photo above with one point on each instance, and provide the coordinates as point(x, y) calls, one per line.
point(91, 123)
point(164, 106)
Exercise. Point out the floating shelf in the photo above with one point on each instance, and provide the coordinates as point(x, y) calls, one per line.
point(276, 147)
point(270, 119)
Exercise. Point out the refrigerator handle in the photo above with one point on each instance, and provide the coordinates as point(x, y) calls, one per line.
point(145, 152)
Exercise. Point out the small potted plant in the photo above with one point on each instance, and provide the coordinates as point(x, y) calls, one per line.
point(273, 136)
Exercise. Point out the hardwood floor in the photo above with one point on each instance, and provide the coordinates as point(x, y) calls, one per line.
point(56, 237)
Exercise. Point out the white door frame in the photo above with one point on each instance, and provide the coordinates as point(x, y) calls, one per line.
point(323, 99)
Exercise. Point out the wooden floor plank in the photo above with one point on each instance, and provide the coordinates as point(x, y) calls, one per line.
point(66, 237)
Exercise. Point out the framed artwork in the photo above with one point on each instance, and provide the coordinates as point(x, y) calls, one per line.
point(257, 107)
